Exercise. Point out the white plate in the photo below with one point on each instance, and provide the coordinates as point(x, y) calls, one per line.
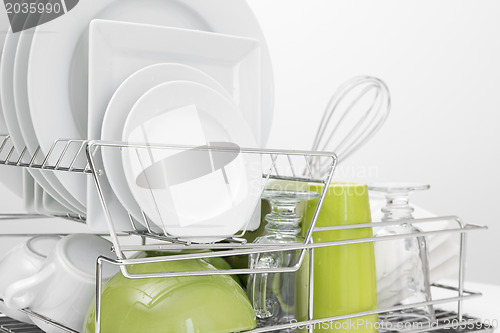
point(37, 201)
point(51, 183)
point(28, 193)
point(65, 94)
point(116, 114)
point(52, 206)
point(11, 177)
point(46, 205)
point(10, 114)
point(118, 49)
point(4, 28)
point(205, 196)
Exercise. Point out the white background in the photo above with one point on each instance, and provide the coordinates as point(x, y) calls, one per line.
point(441, 60)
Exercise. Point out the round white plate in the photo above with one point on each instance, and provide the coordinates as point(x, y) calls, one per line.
point(205, 195)
point(64, 96)
point(26, 126)
point(11, 177)
point(118, 109)
point(4, 28)
point(10, 114)
point(28, 193)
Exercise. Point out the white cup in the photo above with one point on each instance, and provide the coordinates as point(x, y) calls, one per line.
point(64, 287)
point(22, 261)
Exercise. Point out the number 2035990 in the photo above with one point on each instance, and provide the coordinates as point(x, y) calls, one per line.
point(32, 8)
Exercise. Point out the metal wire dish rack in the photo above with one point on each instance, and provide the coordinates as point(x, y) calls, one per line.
point(85, 157)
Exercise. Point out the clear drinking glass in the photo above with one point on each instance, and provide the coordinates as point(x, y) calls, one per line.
point(408, 281)
point(278, 298)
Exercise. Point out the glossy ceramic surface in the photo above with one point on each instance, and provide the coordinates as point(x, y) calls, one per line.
point(21, 262)
point(111, 127)
point(12, 178)
point(225, 192)
point(49, 181)
point(10, 116)
point(66, 93)
point(64, 286)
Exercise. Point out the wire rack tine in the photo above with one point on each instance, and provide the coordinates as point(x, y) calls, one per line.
point(4, 142)
point(68, 144)
point(132, 222)
point(292, 167)
point(90, 149)
point(78, 154)
point(21, 156)
point(46, 159)
point(61, 156)
point(267, 175)
point(274, 158)
point(307, 158)
point(35, 154)
point(146, 220)
point(11, 151)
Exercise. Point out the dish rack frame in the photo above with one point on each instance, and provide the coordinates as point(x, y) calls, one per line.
point(70, 152)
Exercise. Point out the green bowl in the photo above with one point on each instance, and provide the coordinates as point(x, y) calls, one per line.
point(212, 303)
point(217, 262)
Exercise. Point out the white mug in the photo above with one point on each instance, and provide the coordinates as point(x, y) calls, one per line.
point(22, 261)
point(64, 287)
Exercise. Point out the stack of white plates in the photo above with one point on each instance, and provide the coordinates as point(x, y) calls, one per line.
point(11, 178)
point(156, 71)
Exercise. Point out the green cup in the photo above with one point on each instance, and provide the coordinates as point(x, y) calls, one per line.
point(344, 275)
point(213, 303)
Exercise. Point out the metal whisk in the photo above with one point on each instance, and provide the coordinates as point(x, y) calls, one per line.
point(359, 108)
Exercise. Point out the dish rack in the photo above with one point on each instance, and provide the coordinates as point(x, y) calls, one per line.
point(83, 157)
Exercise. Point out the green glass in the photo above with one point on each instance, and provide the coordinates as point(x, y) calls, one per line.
point(214, 303)
point(344, 276)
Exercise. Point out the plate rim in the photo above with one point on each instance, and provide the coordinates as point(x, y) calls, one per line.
point(243, 131)
point(115, 119)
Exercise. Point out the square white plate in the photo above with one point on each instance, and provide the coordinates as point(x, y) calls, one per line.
point(117, 51)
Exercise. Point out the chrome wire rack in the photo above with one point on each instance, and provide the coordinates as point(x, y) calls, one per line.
point(64, 155)
point(446, 322)
point(85, 157)
point(8, 325)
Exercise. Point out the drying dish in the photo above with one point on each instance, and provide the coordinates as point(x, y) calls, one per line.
point(224, 187)
point(12, 178)
point(66, 64)
point(118, 49)
point(11, 120)
point(51, 182)
point(112, 127)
